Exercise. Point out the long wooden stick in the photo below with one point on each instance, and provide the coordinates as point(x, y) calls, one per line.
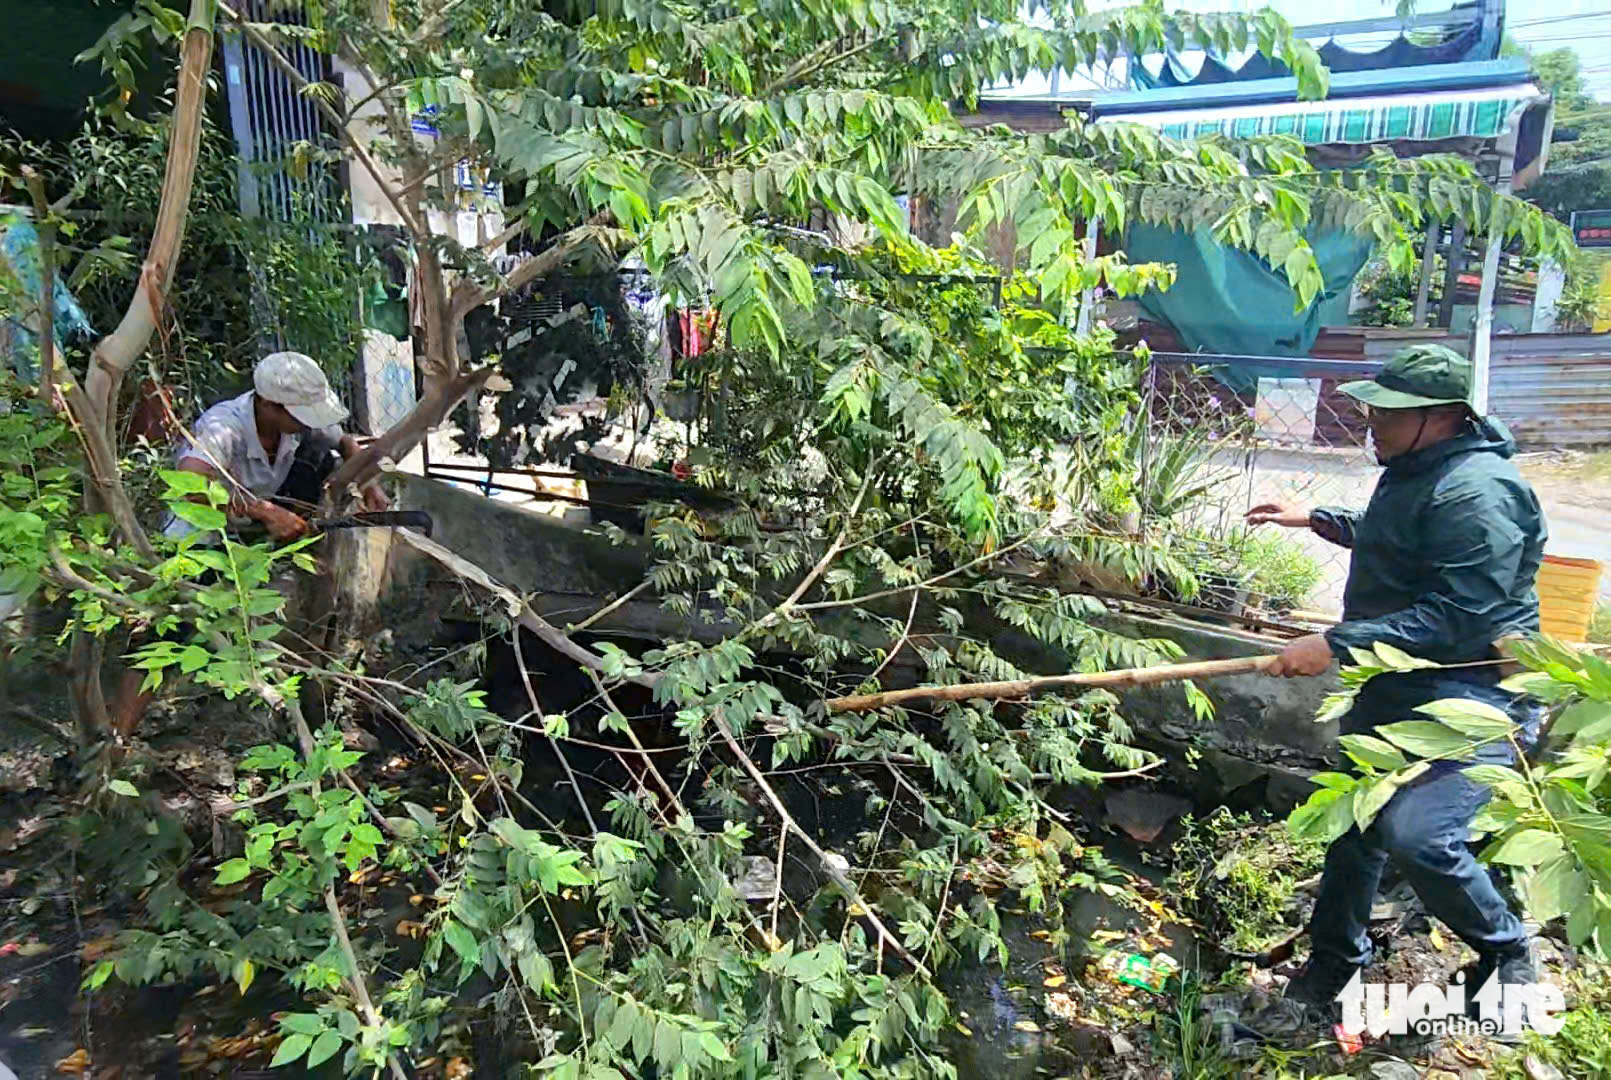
point(1010, 691)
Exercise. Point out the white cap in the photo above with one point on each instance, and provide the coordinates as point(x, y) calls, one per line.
point(292, 379)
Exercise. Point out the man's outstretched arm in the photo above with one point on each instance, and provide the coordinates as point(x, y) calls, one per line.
point(1332, 523)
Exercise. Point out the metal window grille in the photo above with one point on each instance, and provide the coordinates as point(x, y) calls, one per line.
point(270, 119)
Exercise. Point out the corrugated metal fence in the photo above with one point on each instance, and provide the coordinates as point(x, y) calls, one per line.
point(1552, 390)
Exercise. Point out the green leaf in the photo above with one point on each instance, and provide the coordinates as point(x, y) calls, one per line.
point(232, 871)
point(1477, 719)
point(1551, 889)
point(538, 971)
point(462, 942)
point(1368, 802)
point(123, 787)
point(1396, 659)
point(193, 658)
point(714, 1046)
point(244, 973)
point(293, 1047)
point(1575, 718)
point(183, 482)
point(98, 977)
point(1326, 815)
point(1494, 775)
point(667, 1045)
point(1529, 847)
point(324, 1047)
point(204, 518)
point(302, 1024)
point(1425, 738)
point(1580, 917)
point(1372, 751)
point(623, 1024)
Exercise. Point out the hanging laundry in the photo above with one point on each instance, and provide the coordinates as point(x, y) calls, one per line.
point(696, 331)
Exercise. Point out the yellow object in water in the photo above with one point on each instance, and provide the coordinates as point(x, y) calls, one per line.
point(1567, 592)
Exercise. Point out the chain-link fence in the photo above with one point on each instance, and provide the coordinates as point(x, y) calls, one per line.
point(383, 379)
point(1226, 434)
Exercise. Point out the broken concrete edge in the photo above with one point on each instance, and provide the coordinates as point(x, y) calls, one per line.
point(1262, 727)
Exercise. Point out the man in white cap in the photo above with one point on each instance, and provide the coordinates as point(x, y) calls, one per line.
point(250, 443)
point(253, 445)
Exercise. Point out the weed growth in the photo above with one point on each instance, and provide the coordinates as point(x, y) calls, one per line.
point(1236, 877)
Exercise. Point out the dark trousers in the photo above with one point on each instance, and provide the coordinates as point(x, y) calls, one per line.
point(304, 484)
point(1423, 829)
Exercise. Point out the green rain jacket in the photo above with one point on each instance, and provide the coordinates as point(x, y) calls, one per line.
point(1445, 560)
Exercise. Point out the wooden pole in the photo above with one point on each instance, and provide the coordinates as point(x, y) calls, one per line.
point(1011, 691)
point(1429, 255)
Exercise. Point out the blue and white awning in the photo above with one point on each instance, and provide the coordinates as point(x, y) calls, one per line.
point(1427, 116)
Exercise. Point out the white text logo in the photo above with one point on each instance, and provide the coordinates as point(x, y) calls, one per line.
point(1428, 1009)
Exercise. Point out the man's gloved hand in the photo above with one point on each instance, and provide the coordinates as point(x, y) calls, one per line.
point(1308, 655)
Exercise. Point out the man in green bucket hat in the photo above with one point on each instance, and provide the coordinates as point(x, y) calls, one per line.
point(1444, 562)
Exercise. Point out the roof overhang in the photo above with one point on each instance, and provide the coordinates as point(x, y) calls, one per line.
point(1421, 116)
point(1425, 78)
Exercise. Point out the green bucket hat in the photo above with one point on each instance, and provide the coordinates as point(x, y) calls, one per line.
point(1417, 376)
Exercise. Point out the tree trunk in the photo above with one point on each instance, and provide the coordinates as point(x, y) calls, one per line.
point(410, 431)
point(95, 408)
point(118, 351)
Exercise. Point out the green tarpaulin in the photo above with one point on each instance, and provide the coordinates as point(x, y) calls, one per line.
point(1231, 302)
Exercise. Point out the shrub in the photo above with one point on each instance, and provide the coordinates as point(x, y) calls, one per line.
point(1279, 570)
point(1236, 876)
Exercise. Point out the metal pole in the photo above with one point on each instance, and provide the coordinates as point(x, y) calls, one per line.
point(1082, 322)
point(1551, 280)
point(1482, 325)
point(1434, 233)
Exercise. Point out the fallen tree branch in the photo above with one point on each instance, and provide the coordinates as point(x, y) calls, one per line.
point(519, 610)
point(338, 922)
point(531, 695)
point(822, 605)
point(607, 609)
point(1022, 688)
point(529, 619)
point(783, 609)
point(839, 877)
point(643, 752)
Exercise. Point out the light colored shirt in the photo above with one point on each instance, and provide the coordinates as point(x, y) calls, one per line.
point(226, 438)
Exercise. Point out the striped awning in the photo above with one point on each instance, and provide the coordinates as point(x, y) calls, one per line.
point(1418, 117)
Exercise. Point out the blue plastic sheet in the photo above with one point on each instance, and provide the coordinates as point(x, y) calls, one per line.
point(20, 285)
